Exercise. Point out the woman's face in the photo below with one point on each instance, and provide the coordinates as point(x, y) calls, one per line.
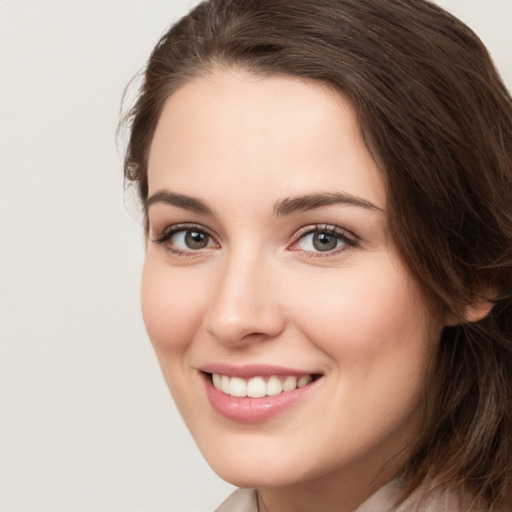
point(269, 264)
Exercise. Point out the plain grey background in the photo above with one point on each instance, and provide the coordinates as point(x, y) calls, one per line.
point(86, 422)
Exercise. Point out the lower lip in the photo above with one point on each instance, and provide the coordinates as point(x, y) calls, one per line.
point(254, 410)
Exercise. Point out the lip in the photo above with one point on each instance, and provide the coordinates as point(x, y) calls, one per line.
point(253, 370)
point(253, 410)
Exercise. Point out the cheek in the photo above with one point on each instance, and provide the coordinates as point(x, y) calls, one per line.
point(372, 325)
point(171, 307)
point(380, 343)
point(359, 306)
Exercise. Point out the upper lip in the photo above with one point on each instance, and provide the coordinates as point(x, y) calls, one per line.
point(253, 370)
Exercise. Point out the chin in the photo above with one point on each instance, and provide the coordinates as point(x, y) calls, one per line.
point(256, 476)
point(259, 469)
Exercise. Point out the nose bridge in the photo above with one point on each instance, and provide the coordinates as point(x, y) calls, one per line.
point(244, 305)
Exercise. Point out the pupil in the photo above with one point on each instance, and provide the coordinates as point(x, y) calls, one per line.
point(196, 240)
point(324, 242)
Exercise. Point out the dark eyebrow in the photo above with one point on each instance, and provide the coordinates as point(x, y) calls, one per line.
point(181, 201)
point(312, 201)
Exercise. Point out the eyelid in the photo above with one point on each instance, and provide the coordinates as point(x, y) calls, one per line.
point(172, 229)
point(348, 237)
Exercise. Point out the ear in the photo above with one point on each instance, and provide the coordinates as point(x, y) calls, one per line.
point(473, 312)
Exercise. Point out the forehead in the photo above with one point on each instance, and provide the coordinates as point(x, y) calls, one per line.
point(248, 131)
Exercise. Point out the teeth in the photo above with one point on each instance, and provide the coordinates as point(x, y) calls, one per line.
point(217, 379)
point(237, 387)
point(224, 384)
point(290, 383)
point(274, 386)
point(304, 381)
point(258, 387)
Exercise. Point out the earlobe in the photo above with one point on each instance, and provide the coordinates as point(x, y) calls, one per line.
point(471, 313)
point(478, 311)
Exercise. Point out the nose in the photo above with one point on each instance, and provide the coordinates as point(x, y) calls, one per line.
point(245, 306)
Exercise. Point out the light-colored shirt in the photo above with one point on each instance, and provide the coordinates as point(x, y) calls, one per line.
point(245, 500)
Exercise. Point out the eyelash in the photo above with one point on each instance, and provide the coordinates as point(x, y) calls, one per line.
point(169, 232)
point(348, 239)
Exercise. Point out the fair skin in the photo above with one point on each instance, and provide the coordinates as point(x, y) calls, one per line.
point(243, 279)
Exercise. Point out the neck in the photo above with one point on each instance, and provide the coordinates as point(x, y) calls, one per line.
point(339, 492)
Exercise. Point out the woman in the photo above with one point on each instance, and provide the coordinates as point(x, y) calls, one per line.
point(327, 188)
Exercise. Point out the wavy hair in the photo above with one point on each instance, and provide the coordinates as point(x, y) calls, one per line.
point(438, 121)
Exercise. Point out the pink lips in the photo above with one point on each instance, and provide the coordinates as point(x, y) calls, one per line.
point(252, 410)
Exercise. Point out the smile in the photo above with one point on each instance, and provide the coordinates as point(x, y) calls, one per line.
point(258, 387)
point(256, 394)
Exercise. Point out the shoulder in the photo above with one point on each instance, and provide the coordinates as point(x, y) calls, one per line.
point(438, 499)
point(441, 500)
point(242, 500)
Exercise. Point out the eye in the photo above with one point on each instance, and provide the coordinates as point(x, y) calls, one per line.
point(190, 239)
point(323, 239)
point(185, 239)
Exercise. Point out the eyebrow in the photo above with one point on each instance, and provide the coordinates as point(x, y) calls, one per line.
point(307, 202)
point(180, 200)
point(283, 207)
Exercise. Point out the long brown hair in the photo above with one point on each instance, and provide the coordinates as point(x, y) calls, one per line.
point(438, 120)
